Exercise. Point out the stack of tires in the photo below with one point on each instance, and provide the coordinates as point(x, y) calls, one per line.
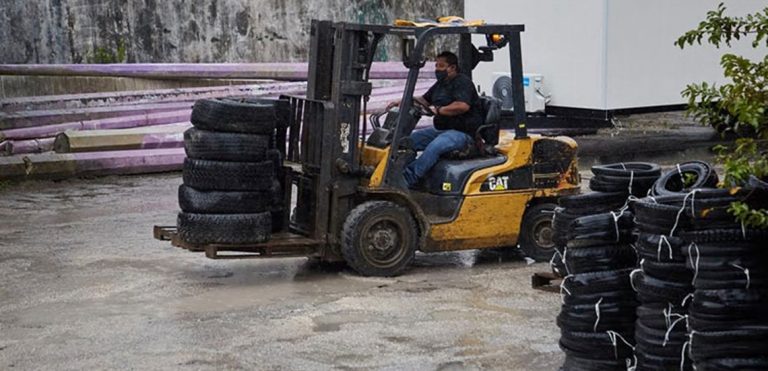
point(728, 327)
point(663, 282)
point(231, 192)
point(594, 232)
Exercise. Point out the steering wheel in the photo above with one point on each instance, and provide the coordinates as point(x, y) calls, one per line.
point(422, 109)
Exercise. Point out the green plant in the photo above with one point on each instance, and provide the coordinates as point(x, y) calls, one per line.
point(689, 179)
point(739, 107)
point(104, 55)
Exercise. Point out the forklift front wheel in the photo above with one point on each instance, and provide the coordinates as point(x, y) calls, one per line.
point(536, 232)
point(379, 238)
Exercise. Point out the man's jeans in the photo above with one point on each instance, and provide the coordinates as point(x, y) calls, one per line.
point(434, 143)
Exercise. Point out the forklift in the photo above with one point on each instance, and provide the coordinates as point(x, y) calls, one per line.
point(344, 169)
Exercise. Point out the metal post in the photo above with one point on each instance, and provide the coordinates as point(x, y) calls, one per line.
point(321, 60)
point(466, 53)
point(518, 97)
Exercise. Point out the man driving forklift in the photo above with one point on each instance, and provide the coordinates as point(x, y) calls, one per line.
point(455, 105)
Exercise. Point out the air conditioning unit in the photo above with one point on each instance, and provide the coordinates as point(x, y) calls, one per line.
point(536, 96)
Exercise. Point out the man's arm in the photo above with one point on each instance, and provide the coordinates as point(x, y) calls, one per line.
point(423, 101)
point(454, 109)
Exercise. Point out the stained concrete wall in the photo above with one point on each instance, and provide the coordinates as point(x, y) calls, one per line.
point(194, 31)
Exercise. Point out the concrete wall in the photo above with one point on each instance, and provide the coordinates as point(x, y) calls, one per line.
point(88, 31)
point(611, 54)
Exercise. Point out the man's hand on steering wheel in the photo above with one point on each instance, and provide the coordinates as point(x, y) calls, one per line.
point(425, 110)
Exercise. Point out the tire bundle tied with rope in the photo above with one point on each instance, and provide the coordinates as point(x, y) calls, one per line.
point(232, 191)
point(593, 232)
point(701, 281)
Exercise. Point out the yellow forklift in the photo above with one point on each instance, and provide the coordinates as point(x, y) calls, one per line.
point(344, 171)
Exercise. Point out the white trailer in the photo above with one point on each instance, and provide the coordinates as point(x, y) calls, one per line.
point(600, 57)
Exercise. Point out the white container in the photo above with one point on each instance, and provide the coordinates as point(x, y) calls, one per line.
point(611, 54)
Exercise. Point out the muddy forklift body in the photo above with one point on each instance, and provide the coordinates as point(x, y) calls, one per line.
point(344, 170)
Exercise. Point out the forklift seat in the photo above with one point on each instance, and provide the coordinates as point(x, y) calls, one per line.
point(448, 177)
point(486, 136)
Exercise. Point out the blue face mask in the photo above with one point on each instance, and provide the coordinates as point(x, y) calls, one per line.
point(441, 75)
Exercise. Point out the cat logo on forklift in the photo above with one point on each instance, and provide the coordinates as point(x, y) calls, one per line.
point(498, 183)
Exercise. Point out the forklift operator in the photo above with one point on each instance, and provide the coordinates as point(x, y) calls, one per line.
point(457, 114)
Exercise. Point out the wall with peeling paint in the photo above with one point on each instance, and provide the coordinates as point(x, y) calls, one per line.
point(194, 31)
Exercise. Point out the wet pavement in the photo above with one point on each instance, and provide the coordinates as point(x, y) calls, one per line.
point(83, 285)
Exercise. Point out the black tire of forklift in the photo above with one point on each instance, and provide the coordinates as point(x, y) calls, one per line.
point(220, 146)
point(224, 228)
point(223, 202)
point(379, 238)
point(536, 232)
point(228, 176)
point(234, 117)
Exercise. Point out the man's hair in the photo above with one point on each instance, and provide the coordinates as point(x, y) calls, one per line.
point(450, 58)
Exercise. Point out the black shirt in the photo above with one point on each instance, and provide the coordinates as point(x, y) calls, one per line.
point(461, 89)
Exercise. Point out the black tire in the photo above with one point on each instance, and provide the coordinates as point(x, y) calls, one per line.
point(757, 184)
point(600, 229)
point(735, 364)
point(674, 271)
point(652, 246)
point(671, 182)
point(728, 302)
point(648, 362)
point(593, 202)
point(653, 290)
point(228, 176)
point(651, 340)
point(726, 249)
point(220, 146)
point(224, 228)
point(598, 282)
point(561, 222)
point(595, 345)
point(653, 316)
point(536, 232)
point(612, 317)
point(745, 342)
point(219, 202)
point(557, 265)
point(620, 297)
point(724, 235)
point(639, 186)
point(624, 169)
point(231, 116)
point(277, 159)
point(282, 106)
point(595, 326)
point(379, 238)
point(574, 363)
point(599, 258)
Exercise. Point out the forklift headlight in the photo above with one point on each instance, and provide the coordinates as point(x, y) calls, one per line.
point(496, 41)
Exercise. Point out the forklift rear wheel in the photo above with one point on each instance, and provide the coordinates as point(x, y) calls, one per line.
point(536, 232)
point(379, 238)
